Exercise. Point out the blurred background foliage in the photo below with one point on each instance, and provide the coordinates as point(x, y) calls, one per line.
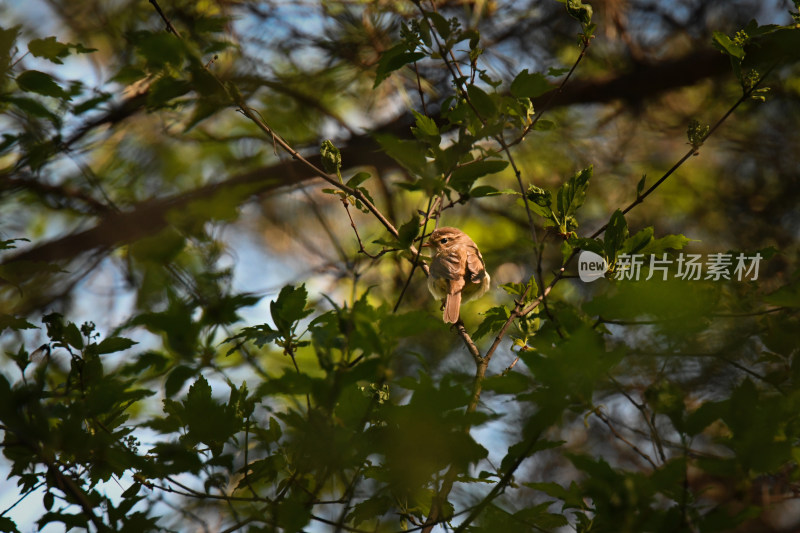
point(154, 210)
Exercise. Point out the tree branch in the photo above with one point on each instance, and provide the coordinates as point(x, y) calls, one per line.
point(360, 150)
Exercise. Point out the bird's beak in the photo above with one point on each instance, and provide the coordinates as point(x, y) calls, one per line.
point(427, 245)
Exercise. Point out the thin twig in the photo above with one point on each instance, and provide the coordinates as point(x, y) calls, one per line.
point(28, 493)
point(510, 367)
point(170, 27)
point(290, 353)
point(691, 152)
point(419, 89)
point(619, 436)
point(325, 226)
point(654, 435)
point(553, 94)
point(415, 262)
point(601, 320)
point(361, 248)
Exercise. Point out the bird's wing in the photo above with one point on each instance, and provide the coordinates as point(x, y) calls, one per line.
point(476, 270)
point(449, 266)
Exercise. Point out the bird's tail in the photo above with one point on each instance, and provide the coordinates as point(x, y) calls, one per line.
point(452, 305)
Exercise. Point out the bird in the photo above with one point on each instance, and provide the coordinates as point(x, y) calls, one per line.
point(457, 270)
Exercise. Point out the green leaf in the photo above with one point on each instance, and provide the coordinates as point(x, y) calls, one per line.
point(571, 369)
point(572, 497)
point(207, 420)
point(175, 458)
point(530, 85)
point(17, 272)
point(511, 383)
point(331, 157)
point(128, 75)
point(771, 44)
point(8, 39)
point(14, 323)
point(293, 514)
point(48, 500)
point(635, 243)
point(31, 107)
point(177, 378)
point(80, 49)
point(259, 335)
point(580, 11)
point(483, 190)
point(538, 516)
point(667, 398)
point(262, 470)
point(724, 43)
point(787, 296)
point(524, 292)
point(352, 405)
point(91, 103)
point(483, 103)
point(555, 72)
point(160, 248)
point(572, 194)
point(495, 318)
point(204, 108)
point(132, 491)
point(425, 126)
point(703, 416)
point(697, 133)
point(667, 242)
point(526, 448)
point(290, 382)
point(371, 508)
point(616, 234)
point(224, 309)
point(392, 59)
point(165, 89)
point(114, 344)
point(73, 336)
point(69, 520)
point(49, 48)
point(7, 525)
point(358, 179)
point(408, 232)
point(544, 125)
point(9, 244)
point(410, 154)
point(640, 186)
point(40, 83)
point(290, 307)
point(465, 175)
point(441, 24)
point(591, 245)
point(160, 49)
point(402, 325)
point(540, 198)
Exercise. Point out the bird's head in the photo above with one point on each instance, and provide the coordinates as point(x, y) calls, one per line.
point(446, 238)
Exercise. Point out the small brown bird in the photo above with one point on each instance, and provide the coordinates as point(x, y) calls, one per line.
point(457, 270)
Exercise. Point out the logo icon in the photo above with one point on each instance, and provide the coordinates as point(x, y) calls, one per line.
point(591, 266)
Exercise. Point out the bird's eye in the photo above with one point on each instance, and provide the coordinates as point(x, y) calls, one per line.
point(444, 240)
